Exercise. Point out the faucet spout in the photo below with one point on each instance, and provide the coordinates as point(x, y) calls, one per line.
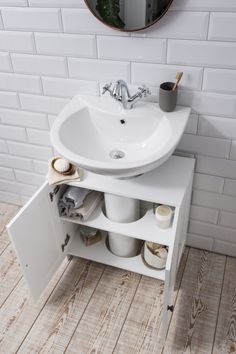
point(121, 91)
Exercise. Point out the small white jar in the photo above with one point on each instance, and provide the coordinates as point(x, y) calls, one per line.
point(163, 215)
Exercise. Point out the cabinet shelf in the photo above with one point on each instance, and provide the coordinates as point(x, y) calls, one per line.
point(145, 228)
point(99, 253)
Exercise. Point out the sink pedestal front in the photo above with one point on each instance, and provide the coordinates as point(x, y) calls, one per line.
point(124, 210)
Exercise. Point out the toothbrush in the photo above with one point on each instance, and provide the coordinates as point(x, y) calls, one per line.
point(178, 78)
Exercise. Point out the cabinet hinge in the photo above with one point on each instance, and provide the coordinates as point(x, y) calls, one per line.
point(170, 308)
point(54, 192)
point(67, 239)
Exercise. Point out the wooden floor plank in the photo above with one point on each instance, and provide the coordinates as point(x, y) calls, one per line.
point(140, 331)
point(102, 321)
point(19, 312)
point(10, 273)
point(143, 321)
point(4, 241)
point(194, 319)
point(65, 307)
point(225, 339)
point(7, 211)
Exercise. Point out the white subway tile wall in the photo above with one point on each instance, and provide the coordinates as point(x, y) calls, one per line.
point(19, 42)
point(32, 19)
point(51, 50)
point(13, 3)
point(66, 44)
point(24, 119)
point(23, 83)
point(1, 23)
point(3, 146)
point(39, 64)
point(5, 63)
point(9, 99)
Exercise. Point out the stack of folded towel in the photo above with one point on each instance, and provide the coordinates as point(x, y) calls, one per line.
point(79, 202)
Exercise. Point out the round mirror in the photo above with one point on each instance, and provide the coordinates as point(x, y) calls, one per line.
point(128, 15)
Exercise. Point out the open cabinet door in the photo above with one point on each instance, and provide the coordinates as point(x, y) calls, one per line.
point(36, 233)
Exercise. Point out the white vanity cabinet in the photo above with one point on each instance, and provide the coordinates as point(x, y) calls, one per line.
point(42, 239)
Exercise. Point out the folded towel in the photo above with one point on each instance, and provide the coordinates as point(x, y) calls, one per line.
point(54, 177)
point(74, 196)
point(90, 203)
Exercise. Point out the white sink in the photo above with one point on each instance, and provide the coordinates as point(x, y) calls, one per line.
point(96, 134)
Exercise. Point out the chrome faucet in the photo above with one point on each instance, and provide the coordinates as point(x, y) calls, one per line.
point(120, 92)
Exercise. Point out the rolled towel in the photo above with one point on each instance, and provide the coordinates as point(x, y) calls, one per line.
point(74, 196)
point(90, 203)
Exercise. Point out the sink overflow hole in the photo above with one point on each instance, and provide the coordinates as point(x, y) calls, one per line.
point(117, 154)
point(122, 121)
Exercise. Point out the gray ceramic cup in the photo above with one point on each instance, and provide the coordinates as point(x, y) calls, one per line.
point(167, 97)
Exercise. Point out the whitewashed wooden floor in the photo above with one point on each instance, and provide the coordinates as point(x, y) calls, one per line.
point(92, 308)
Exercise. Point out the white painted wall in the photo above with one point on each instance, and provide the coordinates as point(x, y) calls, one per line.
point(51, 50)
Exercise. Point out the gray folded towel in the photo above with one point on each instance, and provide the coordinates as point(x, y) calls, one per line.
point(90, 203)
point(74, 196)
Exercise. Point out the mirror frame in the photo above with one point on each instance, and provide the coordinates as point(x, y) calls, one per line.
point(126, 30)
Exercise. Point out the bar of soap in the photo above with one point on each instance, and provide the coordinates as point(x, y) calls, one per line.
point(61, 165)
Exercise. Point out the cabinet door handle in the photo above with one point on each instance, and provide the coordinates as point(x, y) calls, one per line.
point(170, 308)
point(67, 239)
point(54, 192)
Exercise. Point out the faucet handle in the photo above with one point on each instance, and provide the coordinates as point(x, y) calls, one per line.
point(106, 88)
point(144, 90)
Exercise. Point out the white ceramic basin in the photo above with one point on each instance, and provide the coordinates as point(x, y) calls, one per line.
point(92, 132)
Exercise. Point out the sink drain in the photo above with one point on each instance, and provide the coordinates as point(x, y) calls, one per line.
point(117, 154)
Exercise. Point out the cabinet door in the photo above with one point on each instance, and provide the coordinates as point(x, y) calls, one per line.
point(36, 233)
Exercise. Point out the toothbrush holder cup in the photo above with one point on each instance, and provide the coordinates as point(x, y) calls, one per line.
point(168, 97)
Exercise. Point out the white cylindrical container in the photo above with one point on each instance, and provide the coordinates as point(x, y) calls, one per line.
point(163, 215)
point(123, 246)
point(124, 210)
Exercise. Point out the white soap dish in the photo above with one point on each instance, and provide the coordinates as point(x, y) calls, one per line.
point(62, 166)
